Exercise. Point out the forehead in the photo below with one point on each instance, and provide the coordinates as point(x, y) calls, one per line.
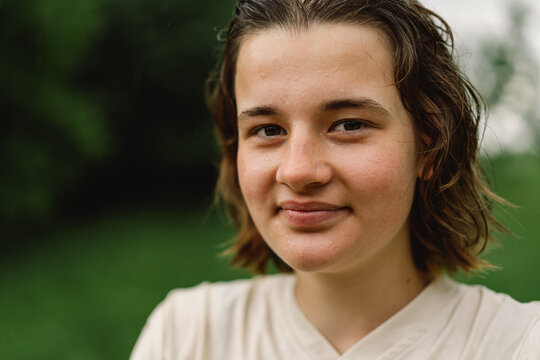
point(322, 63)
point(322, 43)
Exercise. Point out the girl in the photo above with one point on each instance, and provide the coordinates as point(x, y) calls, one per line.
point(349, 141)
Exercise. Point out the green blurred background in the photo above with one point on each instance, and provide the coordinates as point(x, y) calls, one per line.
point(108, 161)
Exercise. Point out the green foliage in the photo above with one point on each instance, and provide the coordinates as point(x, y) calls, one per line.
point(50, 127)
point(64, 31)
point(516, 179)
point(96, 84)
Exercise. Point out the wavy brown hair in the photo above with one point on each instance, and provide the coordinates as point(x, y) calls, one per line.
point(450, 220)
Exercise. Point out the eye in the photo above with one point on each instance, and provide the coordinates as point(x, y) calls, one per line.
point(349, 125)
point(269, 131)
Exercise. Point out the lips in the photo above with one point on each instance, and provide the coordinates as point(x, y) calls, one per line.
point(310, 214)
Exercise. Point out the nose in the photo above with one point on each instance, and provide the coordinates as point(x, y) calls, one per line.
point(303, 165)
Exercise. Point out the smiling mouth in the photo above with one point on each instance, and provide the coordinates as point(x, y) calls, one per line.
point(310, 215)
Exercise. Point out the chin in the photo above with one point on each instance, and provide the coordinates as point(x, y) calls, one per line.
point(318, 251)
point(311, 260)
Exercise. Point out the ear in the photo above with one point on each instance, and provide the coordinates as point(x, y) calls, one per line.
point(422, 160)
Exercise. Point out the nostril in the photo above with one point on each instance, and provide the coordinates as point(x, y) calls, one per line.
point(303, 162)
point(301, 176)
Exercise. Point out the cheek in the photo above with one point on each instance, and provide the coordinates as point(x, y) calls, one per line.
point(381, 168)
point(244, 176)
point(254, 176)
point(385, 180)
point(392, 174)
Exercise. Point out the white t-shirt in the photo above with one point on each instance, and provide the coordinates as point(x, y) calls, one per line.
point(260, 319)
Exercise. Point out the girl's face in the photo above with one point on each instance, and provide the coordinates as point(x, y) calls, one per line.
point(327, 153)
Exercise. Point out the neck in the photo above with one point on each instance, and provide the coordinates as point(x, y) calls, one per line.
point(345, 307)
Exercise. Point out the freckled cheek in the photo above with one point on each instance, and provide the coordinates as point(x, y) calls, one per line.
point(381, 176)
point(382, 191)
point(255, 175)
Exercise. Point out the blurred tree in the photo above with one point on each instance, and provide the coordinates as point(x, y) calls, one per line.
point(103, 100)
point(50, 128)
point(149, 70)
point(508, 74)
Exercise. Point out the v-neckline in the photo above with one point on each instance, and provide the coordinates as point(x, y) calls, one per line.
point(401, 330)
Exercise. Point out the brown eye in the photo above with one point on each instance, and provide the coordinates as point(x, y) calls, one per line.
point(270, 131)
point(349, 125)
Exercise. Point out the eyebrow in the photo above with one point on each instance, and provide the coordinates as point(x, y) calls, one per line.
point(353, 103)
point(327, 106)
point(263, 110)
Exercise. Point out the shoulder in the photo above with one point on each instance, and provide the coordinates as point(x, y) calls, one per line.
point(498, 323)
point(187, 319)
point(223, 298)
point(529, 348)
point(494, 304)
point(229, 291)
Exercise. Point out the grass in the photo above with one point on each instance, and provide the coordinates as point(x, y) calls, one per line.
point(85, 291)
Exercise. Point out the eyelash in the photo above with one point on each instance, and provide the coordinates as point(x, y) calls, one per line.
point(359, 123)
point(265, 127)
